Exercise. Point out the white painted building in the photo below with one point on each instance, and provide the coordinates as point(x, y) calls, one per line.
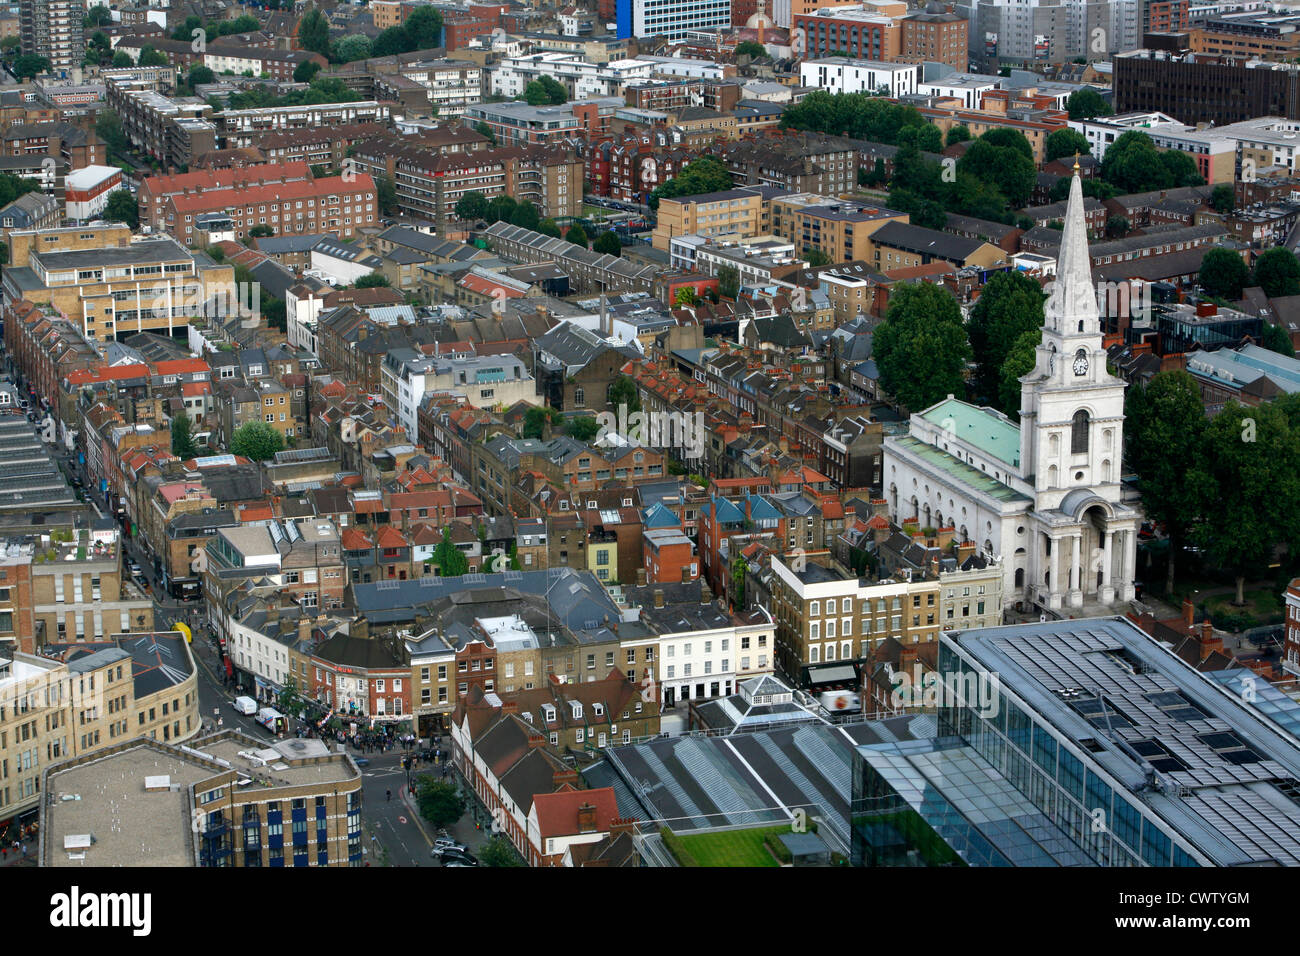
point(1043, 496)
point(511, 76)
point(672, 19)
point(87, 191)
point(839, 74)
point(967, 87)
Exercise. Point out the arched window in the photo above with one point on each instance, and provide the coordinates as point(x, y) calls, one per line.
point(1079, 433)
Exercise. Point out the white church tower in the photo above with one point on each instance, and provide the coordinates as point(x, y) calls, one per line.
point(1043, 496)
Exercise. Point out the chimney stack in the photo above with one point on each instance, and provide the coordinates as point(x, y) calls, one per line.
point(640, 577)
point(510, 706)
point(964, 551)
point(659, 597)
point(1189, 613)
point(686, 574)
point(586, 818)
point(536, 741)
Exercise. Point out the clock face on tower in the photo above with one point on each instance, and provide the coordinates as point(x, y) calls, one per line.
point(1081, 363)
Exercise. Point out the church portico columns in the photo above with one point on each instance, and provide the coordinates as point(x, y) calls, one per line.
point(1076, 571)
point(1128, 555)
point(1056, 593)
point(1107, 594)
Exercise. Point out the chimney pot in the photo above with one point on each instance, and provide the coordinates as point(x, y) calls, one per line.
point(659, 597)
point(1189, 613)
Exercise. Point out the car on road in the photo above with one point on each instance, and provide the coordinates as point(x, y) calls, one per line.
point(135, 569)
point(458, 858)
point(444, 845)
point(361, 761)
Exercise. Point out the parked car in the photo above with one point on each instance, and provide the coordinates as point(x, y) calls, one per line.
point(444, 845)
point(458, 858)
point(361, 761)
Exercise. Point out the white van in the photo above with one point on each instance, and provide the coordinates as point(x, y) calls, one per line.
point(246, 705)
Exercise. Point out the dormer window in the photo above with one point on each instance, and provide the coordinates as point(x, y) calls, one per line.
point(576, 707)
point(548, 713)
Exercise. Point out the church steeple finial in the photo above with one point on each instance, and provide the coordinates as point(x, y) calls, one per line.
point(1076, 160)
point(1072, 308)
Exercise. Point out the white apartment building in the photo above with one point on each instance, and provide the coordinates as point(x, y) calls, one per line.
point(1051, 31)
point(967, 87)
point(672, 19)
point(485, 381)
point(839, 74)
point(512, 75)
point(699, 664)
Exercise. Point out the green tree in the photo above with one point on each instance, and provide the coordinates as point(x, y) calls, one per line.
point(424, 28)
point(728, 281)
point(545, 91)
point(256, 441)
point(1010, 306)
point(1019, 362)
point(684, 296)
point(957, 134)
point(704, 175)
point(1000, 162)
point(920, 211)
point(183, 446)
point(374, 280)
point(623, 391)
point(1248, 478)
point(275, 313)
point(583, 428)
point(260, 231)
point(500, 208)
point(1086, 104)
point(525, 215)
point(392, 41)
point(97, 16)
point(548, 227)
point(1223, 275)
point(536, 419)
point(874, 177)
point(1064, 142)
point(920, 348)
point(1181, 169)
point(577, 236)
point(750, 48)
point(607, 242)
point(99, 49)
point(121, 60)
point(305, 71)
point(1275, 339)
point(1134, 165)
point(815, 257)
point(185, 32)
point(314, 33)
point(1004, 137)
point(1164, 421)
point(498, 852)
point(122, 208)
point(29, 65)
point(1117, 227)
point(289, 701)
point(485, 130)
point(440, 801)
point(200, 74)
point(349, 49)
point(151, 57)
point(1223, 198)
point(387, 193)
point(1277, 272)
point(472, 206)
point(451, 561)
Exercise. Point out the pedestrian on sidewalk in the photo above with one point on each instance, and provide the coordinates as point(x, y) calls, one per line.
point(389, 794)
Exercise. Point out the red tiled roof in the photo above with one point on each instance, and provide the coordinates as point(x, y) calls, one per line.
point(272, 192)
point(196, 388)
point(557, 813)
point(214, 179)
point(390, 537)
point(116, 373)
point(485, 286)
point(879, 522)
point(354, 539)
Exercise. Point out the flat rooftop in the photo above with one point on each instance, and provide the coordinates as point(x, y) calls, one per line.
point(285, 763)
point(105, 798)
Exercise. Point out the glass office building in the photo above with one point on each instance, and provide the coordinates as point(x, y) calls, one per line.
point(1087, 743)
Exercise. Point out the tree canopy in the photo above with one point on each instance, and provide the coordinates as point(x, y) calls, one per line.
point(183, 446)
point(1133, 164)
point(921, 348)
point(1064, 142)
point(375, 280)
point(440, 801)
point(29, 65)
point(314, 33)
point(704, 175)
point(472, 206)
point(577, 235)
point(750, 48)
point(545, 91)
point(1223, 274)
point(1018, 363)
point(1087, 104)
point(256, 441)
point(607, 242)
point(451, 561)
point(1277, 272)
point(122, 207)
point(1010, 305)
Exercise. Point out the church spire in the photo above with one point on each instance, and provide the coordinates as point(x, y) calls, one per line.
point(1072, 307)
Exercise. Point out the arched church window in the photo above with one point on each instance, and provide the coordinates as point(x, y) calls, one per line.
point(1079, 433)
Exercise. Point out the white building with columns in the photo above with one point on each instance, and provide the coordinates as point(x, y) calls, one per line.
point(1044, 495)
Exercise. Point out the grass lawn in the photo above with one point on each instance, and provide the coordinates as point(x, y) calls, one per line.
point(732, 847)
point(1264, 607)
point(594, 212)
